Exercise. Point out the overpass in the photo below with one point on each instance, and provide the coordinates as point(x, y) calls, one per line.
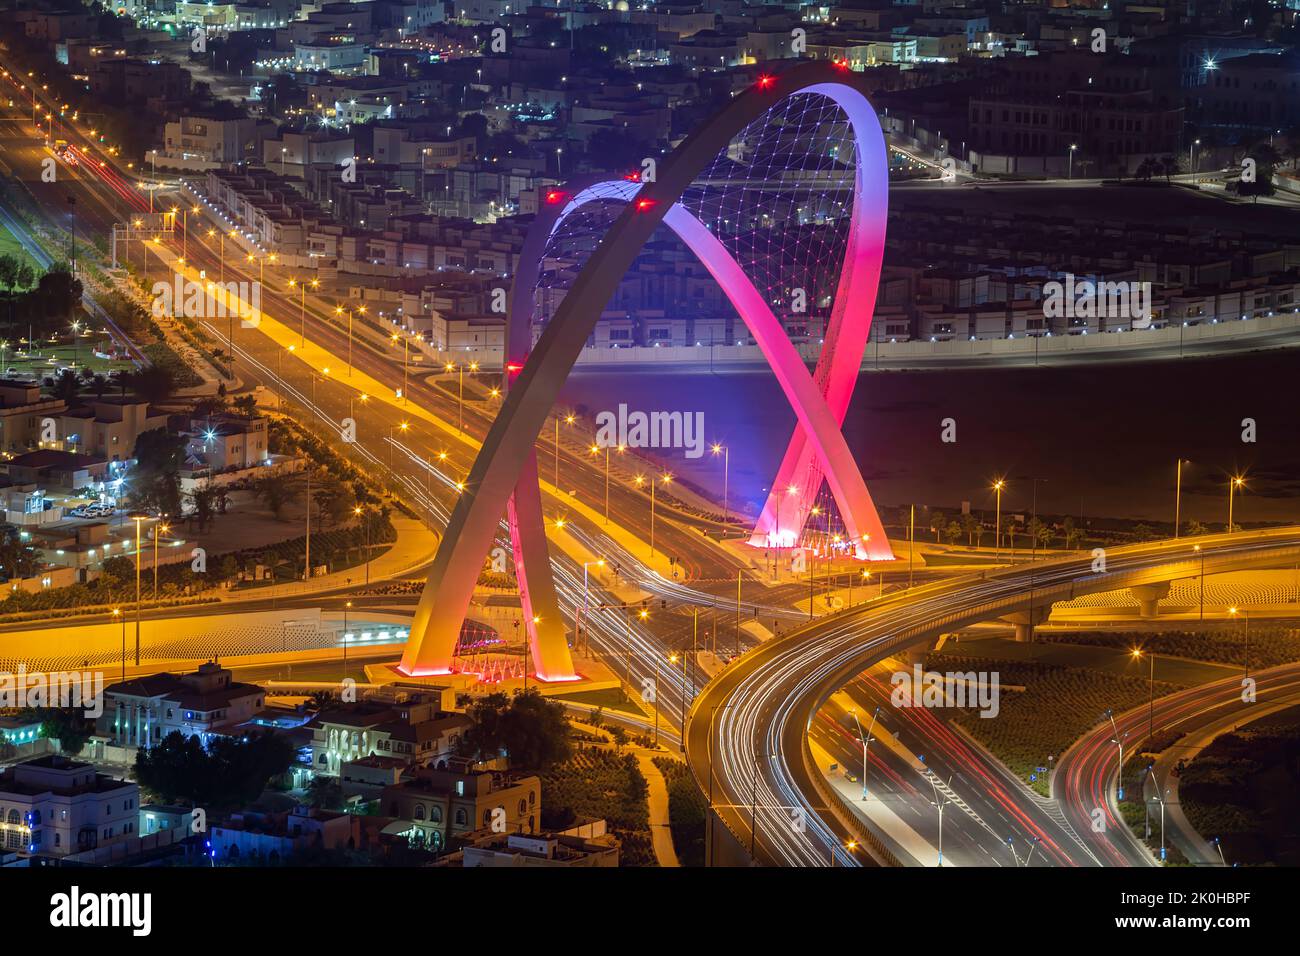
point(747, 731)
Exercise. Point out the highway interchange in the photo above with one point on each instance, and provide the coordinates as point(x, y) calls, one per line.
point(748, 730)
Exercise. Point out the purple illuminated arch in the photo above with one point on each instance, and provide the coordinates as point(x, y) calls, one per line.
point(504, 475)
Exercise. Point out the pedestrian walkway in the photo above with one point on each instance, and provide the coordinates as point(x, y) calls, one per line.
point(661, 834)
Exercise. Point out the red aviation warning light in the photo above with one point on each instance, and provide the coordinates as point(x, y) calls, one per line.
point(645, 205)
point(633, 177)
point(556, 196)
point(765, 81)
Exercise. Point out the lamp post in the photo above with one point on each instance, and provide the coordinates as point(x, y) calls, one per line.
point(1178, 495)
point(568, 420)
point(357, 511)
point(346, 605)
point(1070, 152)
point(301, 285)
point(672, 659)
point(940, 801)
point(726, 472)
point(1197, 549)
point(866, 739)
point(586, 604)
point(1245, 619)
point(1156, 784)
point(403, 427)
point(997, 522)
point(159, 530)
point(137, 517)
point(1151, 689)
point(1237, 481)
point(1118, 740)
point(339, 310)
point(117, 613)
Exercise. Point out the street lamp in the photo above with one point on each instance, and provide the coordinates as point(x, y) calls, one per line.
point(1118, 741)
point(117, 613)
point(402, 427)
point(939, 801)
point(726, 472)
point(997, 521)
point(1197, 548)
point(159, 530)
point(301, 285)
point(1070, 152)
point(1237, 482)
point(1178, 494)
point(866, 739)
point(357, 511)
point(137, 517)
point(568, 420)
point(1245, 618)
point(586, 604)
point(346, 606)
point(1156, 783)
point(641, 480)
point(1151, 688)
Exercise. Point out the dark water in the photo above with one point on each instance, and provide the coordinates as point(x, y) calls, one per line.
point(1104, 438)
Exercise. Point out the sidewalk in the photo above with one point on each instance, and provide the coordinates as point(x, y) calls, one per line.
point(661, 836)
point(657, 803)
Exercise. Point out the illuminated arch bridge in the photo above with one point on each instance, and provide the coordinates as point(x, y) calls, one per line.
point(782, 197)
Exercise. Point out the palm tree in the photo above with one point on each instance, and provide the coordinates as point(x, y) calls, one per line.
point(66, 386)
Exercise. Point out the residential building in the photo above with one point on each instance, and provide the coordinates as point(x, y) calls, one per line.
point(56, 806)
point(141, 711)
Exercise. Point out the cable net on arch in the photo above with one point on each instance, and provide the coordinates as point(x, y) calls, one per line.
point(779, 198)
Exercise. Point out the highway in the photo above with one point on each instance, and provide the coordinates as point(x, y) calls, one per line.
point(1086, 778)
point(747, 732)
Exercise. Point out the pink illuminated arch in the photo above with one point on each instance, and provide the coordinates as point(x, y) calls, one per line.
point(504, 475)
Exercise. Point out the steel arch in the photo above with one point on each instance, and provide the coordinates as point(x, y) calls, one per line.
point(504, 475)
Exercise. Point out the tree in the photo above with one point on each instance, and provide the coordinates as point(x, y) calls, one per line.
point(155, 479)
point(332, 498)
point(973, 527)
point(154, 383)
point(1070, 533)
point(117, 570)
point(8, 270)
point(529, 728)
point(203, 500)
point(276, 491)
point(17, 558)
point(66, 386)
point(1144, 532)
point(231, 772)
point(954, 531)
point(1195, 527)
point(67, 725)
point(25, 275)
